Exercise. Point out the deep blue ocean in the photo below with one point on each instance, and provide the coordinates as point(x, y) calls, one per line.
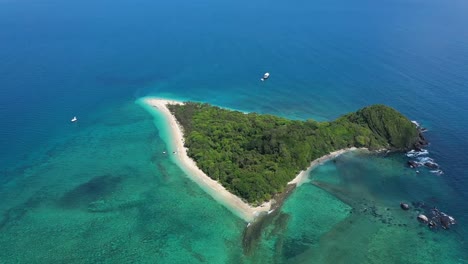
point(93, 59)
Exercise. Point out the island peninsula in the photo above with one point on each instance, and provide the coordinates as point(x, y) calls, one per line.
point(244, 159)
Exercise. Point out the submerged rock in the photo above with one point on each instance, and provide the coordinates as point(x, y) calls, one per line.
point(413, 164)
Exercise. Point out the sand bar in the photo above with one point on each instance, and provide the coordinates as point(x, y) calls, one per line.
point(212, 187)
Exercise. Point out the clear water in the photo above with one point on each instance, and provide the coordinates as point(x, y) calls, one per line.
point(349, 213)
point(100, 191)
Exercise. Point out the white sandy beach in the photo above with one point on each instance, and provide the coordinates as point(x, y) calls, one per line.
point(302, 176)
point(215, 189)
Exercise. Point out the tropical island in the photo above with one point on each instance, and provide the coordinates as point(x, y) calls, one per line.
point(254, 156)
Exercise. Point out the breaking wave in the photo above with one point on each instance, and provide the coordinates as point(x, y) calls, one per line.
point(419, 158)
point(414, 153)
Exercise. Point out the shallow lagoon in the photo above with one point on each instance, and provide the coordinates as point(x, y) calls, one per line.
point(350, 212)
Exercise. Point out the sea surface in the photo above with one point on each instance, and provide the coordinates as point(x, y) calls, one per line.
point(101, 190)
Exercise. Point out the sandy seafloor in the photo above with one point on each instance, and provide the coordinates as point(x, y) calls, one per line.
point(101, 191)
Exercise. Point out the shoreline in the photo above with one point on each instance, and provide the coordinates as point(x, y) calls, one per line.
point(232, 202)
point(303, 175)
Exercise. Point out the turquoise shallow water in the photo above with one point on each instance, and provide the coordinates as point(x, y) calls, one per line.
point(125, 202)
point(349, 213)
point(100, 191)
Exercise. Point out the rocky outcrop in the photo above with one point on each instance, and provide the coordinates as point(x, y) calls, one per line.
point(421, 142)
point(423, 219)
point(446, 221)
point(413, 164)
point(433, 217)
point(431, 165)
point(404, 206)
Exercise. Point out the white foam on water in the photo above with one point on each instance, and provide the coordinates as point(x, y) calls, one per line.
point(413, 153)
point(425, 159)
point(416, 123)
point(438, 172)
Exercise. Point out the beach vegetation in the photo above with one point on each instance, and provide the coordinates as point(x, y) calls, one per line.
point(255, 155)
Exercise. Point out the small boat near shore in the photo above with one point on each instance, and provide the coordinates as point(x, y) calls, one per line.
point(74, 119)
point(265, 76)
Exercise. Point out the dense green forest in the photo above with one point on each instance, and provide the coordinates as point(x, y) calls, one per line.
point(254, 156)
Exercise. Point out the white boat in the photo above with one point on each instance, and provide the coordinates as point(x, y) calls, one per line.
point(265, 76)
point(74, 119)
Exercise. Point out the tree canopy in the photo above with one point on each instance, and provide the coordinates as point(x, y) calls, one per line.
point(254, 156)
